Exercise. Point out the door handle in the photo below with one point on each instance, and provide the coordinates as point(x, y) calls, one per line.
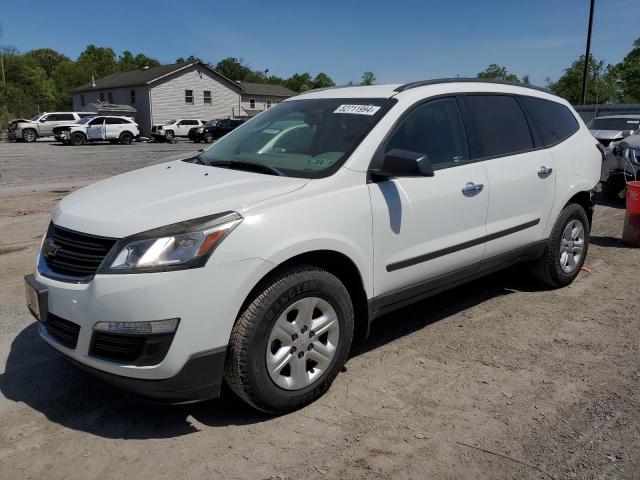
point(544, 172)
point(472, 188)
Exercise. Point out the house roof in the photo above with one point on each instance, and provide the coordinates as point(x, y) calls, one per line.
point(144, 77)
point(267, 90)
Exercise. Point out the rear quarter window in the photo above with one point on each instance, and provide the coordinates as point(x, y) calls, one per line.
point(554, 121)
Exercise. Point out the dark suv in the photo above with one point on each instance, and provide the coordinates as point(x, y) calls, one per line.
point(214, 129)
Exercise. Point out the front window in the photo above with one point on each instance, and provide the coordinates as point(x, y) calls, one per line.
point(614, 124)
point(300, 138)
point(110, 97)
point(188, 96)
point(82, 100)
point(102, 97)
point(85, 120)
point(133, 96)
point(207, 97)
point(268, 103)
point(252, 103)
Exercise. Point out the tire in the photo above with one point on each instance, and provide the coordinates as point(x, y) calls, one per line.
point(126, 138)
point(612, 188)
point(77, 139)
point(558, 266)
point(29, 135)
point(208, 138)
point(169, 135)
point(284, 299)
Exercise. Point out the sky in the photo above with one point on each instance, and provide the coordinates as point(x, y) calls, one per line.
point(400, 41)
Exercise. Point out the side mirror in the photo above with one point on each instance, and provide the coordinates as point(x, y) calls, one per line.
point(404, 163)
point(42, 120)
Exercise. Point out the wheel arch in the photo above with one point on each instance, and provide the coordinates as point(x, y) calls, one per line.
point(336, 263)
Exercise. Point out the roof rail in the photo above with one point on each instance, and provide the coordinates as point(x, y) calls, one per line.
point(437, 81)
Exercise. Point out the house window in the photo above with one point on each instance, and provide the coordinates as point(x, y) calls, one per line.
point(82, 100)
point(207, 97)
point(101, 96)
point(133, 96)
point(252, 103)
point(268, 103)
point(110, 97)
point(188, 96)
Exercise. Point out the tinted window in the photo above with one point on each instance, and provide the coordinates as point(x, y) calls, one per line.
point(553, 121)
point(436, 129)
point(59, 117)
point(501, 125)
point(113, 121)
point(97, 121)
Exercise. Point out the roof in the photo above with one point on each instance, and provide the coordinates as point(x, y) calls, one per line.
point(619, 116)
point(266, 90)
point(144, 76)
point(437, 81)
point(371, 91)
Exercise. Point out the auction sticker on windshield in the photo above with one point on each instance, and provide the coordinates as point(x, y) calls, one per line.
point(357, 109)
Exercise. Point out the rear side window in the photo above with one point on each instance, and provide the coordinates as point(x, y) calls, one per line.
point(113, 121)
point(554, 121)
point(501, 125)
point(434, 128)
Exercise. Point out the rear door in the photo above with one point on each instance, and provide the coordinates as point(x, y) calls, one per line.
point(520, 173)
point(425, 228)
point(112, 128)
point(95, 131)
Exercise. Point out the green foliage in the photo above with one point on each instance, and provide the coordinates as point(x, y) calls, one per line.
point(368, 78)
point(603, 85)
point(629, 71)
point(496, 72)
point(322, 80)
point(234, 68)
point(189, 59)
point(127, 61)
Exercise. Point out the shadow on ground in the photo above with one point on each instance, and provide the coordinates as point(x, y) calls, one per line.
point(38, 376)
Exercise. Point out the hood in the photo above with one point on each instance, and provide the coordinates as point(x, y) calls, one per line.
point(164, 194)
point(606, 134)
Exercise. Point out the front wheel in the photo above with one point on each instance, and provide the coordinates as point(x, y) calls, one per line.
point(291, 341)
point(29, 135)
point(169, 135)
point(208, 138)
point(78, 139)
point(566, 248)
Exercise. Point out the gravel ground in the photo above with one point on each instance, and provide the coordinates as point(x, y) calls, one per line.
point(497, 379)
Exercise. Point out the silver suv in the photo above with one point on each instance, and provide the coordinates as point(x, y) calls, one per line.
point(42, 125)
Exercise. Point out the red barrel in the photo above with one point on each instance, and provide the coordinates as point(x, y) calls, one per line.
point(631, 232)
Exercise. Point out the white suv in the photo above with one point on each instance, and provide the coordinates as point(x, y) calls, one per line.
point(176, 128)
point(42, 125)
point(114, 129)
point(257, 265)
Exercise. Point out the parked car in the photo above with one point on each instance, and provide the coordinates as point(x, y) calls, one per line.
point(175, 128)
point(43, 125)
point(114, 129)
point(257, 268)
point(628, 157)
point(214, 129)
point(610, 131)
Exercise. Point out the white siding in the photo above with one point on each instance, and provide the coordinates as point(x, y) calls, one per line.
point(121, 96)
point(168, 96)
point(261, 101)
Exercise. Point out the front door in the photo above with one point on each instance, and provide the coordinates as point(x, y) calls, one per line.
point(425, 229)
point(96, 129)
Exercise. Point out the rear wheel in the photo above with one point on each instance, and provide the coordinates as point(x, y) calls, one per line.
point(29, 135)
point(78, 139)
point(126, 138)
point(566, 248)
point(291, 341)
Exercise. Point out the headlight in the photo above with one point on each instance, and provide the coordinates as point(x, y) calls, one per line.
point(200, 130)
point(175, 247)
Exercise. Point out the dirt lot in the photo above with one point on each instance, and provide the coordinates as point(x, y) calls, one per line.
point(497, 379)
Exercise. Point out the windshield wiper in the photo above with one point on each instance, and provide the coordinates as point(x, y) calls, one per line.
point(244, 165)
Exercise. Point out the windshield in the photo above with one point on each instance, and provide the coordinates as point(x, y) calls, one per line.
point(614, 124)
point(301, 138)
point(171, 122)
point(211, 123)
point(35, 118)
point(85, 120)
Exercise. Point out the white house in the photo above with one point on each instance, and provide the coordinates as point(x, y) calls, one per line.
point(159, 94)
point(257, 97)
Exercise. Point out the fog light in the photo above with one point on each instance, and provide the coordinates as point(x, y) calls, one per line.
point(139, 328)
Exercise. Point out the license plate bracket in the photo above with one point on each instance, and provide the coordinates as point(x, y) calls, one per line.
point(37, 297)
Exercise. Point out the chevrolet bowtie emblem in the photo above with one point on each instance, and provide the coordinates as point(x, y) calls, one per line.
point(50, 248)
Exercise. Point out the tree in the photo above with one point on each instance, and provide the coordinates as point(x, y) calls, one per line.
point(233, 68)
point(368, 78)
point(127, 62)
point(603, 85)
point(299, 82)
point(629, 72)
point(47, 58)
point(322, 80)
point(190, 59)
point(496, 72)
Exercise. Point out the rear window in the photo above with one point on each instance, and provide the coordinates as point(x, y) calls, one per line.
point(501, 124)
point(554, 121)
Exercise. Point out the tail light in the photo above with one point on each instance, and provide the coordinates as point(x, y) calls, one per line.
point(602, 152)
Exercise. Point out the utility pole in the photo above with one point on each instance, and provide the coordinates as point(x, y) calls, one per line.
point(4, 82)
point(587, 54)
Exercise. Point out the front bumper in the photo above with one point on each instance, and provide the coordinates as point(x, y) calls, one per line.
point(204, 299)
